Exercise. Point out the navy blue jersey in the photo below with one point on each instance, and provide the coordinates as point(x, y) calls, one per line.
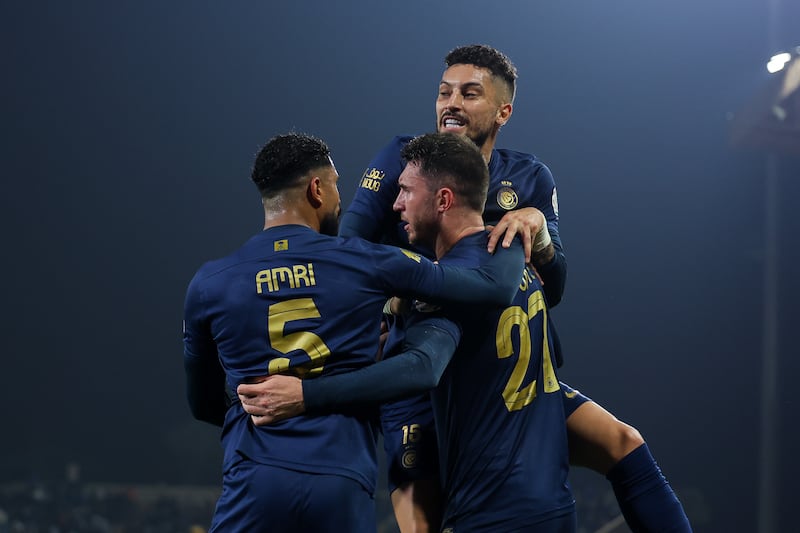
point(499, 412)
point(516, 180)
point(294, 301)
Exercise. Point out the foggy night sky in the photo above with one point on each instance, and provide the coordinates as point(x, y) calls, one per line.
point(129, 129)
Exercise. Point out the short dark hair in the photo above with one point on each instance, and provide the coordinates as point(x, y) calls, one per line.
point(285, 158)
point(484, 56)
point(454, 161)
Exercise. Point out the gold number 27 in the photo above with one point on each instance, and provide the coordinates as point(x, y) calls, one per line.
point(515, 396)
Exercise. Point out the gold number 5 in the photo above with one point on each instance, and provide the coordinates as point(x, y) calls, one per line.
point(515, 397)
point(310, 343)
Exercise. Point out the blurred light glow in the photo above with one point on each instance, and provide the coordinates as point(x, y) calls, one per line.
point(778, 61)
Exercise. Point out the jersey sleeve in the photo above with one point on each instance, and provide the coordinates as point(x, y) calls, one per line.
point(205, 377)
point(428, 347)
point(370, 213)
point(494, 281)
point(544, 197)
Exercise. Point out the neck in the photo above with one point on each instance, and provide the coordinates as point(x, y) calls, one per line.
point(488, 146)
point(454, 230)
point(278, 214)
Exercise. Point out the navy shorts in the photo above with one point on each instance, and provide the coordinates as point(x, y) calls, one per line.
point(262, 498)
point(409, 441)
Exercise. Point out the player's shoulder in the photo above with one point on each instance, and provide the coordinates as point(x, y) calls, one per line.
point(519, 167)
point(400, 140)
point(211, 270)
point(510, 157)
point(374, 252)
point(469, 251)
point(395, 146)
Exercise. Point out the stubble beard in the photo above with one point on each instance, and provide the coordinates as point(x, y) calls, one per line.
point(329, 225)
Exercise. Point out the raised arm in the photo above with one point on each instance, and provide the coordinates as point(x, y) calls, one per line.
point(536, 222)
point(542, 250)
point(370, 214)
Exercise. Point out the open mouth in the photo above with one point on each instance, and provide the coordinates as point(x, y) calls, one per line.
point(452, 122)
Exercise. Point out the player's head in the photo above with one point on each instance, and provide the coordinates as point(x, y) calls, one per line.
point(476, 93)
point(444, 173)
point(294, 169)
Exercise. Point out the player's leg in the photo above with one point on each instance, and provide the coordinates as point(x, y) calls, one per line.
point(409, 441)
point(601, 442)
point(597, 439)
point(417, 506)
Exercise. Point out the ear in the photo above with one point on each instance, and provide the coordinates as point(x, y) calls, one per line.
point(444, 199)
point(503, 114)
point(314, 192)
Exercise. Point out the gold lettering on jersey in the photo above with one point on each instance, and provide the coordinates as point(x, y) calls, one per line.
point(527, 278)
point(281, 245)
point(372, 179)
point(412, 255)
point(295, 277)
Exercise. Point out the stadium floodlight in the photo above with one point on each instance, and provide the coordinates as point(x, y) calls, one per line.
point(771, 119)
point(778, 61)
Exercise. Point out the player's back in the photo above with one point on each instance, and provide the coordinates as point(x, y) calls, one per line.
point(499, 413)
point(293, 301)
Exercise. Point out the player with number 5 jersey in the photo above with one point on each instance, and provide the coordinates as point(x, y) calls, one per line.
point(295, 301)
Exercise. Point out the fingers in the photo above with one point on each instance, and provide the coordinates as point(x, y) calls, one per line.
point(259, 420)
point(274, 399)
point(527, 245)
point(253, 397)
point(494, 236)
point(247, 392)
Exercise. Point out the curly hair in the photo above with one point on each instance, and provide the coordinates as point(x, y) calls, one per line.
point(484, 56)
point(454, 161)
point(285, 158)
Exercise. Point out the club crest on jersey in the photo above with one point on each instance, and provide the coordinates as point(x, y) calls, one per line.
point(507, 198)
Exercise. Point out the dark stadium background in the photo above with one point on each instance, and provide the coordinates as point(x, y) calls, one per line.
point(128, 130)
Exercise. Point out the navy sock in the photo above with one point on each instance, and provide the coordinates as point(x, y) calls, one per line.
point(644, 495)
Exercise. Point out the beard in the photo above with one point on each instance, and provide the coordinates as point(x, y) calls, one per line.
point(424, 233)
point(329, 225)
point(479, 137)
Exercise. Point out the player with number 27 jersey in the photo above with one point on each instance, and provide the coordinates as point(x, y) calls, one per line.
point(499, 412)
